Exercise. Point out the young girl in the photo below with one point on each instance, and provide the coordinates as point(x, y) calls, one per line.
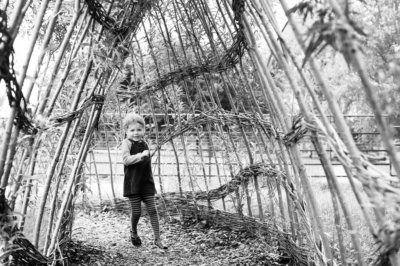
point(138, 182)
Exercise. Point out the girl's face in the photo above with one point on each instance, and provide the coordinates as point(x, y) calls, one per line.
point(135, 131)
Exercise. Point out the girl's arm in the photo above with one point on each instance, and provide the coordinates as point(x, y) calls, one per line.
point(127, 158)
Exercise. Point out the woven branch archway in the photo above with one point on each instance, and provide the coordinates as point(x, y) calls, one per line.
point(195, 71)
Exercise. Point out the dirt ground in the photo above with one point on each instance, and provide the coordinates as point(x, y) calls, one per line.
point(102, 238)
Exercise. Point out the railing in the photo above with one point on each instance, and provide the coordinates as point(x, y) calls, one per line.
point(368, 143)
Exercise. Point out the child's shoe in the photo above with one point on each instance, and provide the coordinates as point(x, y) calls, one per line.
point(136, 241)
point(159, 244)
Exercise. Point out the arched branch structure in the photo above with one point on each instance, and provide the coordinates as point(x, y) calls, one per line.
point(216, 110)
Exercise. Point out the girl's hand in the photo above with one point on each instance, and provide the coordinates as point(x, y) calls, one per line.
point(146, 153)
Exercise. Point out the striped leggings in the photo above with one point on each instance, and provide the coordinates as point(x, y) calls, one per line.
point(136, 211)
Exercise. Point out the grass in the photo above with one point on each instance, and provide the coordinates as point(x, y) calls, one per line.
point(324, 201)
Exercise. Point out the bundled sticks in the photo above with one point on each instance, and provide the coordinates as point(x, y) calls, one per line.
point(95, 99)
point(217, 116)
point(136, 11)
point(241, 179)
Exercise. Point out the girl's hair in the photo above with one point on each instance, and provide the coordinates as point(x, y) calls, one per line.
point(132, 118)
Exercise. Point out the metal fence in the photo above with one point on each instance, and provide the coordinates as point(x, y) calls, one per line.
point(369, 143)
point(365, 134)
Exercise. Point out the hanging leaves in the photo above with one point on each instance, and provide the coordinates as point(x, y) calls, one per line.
point(327, 29)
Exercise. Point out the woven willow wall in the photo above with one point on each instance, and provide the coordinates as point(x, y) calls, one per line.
point(197, 70)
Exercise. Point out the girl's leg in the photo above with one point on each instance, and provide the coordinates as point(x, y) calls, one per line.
point(152, 210)
point(136, 211)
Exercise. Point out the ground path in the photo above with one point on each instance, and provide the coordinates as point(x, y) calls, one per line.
point(102, 238)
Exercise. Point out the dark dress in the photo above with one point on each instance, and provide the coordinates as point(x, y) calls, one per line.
point(138, 177)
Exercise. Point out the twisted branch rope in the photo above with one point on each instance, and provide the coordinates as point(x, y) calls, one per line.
point(138, 10)
point(230, 59)
point(221, 116)
point(96, 99)
point(14, 93)
point(242, 178)
point(16, 245)
point(217, 116)
point(297, 132)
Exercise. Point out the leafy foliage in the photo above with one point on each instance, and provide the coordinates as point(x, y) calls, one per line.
point(327, 29)
point(378, 40)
